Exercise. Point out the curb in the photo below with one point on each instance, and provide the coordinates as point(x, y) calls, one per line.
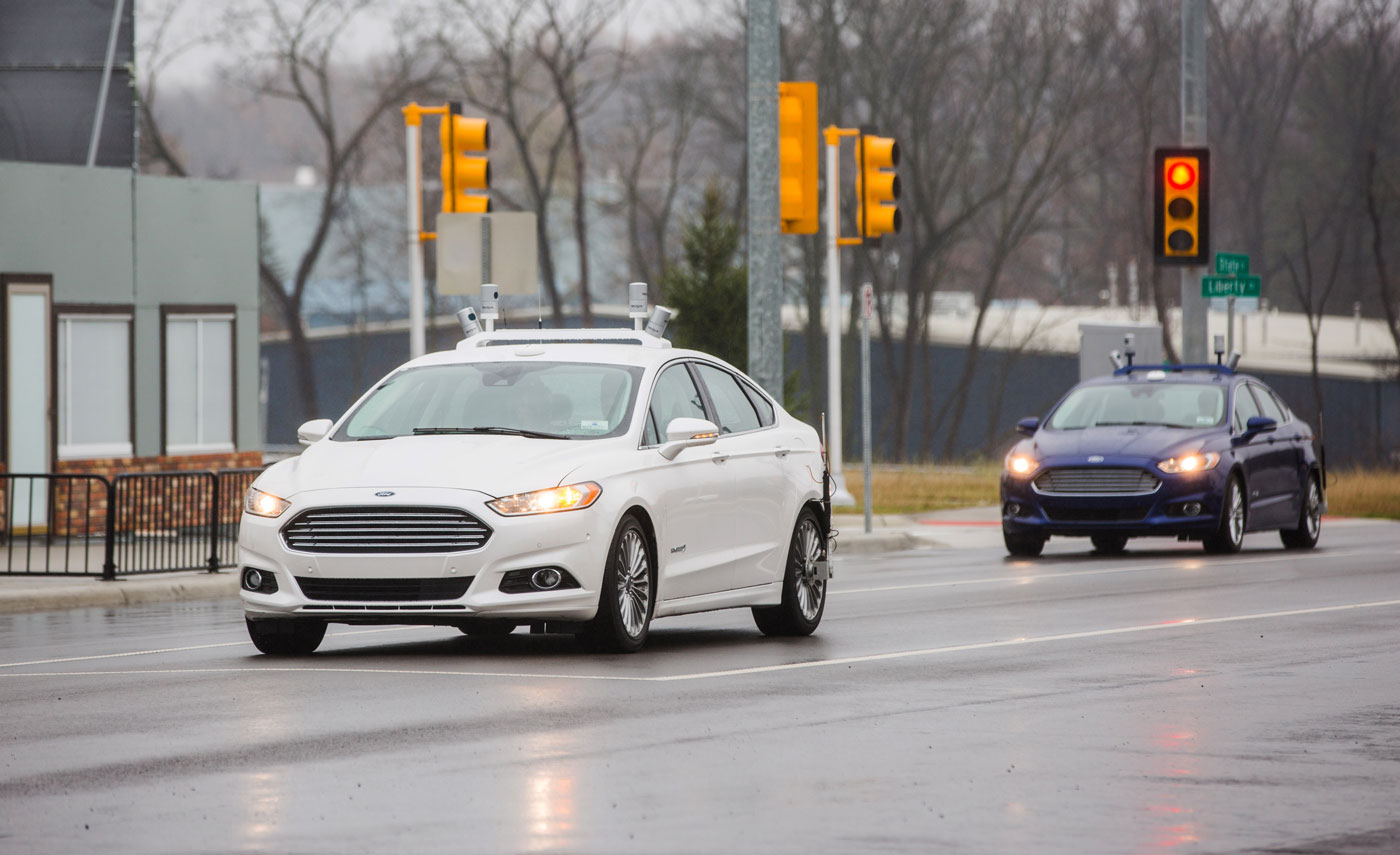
point(95, 593)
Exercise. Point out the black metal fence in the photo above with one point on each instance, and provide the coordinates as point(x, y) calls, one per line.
point(149, 522)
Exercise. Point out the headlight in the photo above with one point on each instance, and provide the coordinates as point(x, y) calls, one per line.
point(1020, 464)
point(263, 504)
point(570, 498)
point(1189, 463)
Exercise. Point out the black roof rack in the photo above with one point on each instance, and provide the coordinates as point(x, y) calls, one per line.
point(1176, 369)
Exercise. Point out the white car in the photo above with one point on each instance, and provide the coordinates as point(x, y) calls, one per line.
point(574, 481)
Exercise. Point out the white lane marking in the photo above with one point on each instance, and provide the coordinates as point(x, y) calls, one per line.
point(183, 649)
point(758, 669)
point(1192, 565)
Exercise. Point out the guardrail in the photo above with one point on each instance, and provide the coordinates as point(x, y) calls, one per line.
point(149, 522)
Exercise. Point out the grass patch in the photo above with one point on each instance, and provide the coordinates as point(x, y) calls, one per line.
point(911, 489)
point(1361, 493)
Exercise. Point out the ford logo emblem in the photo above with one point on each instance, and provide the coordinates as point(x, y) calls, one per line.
point(384, 494)
point(1095, 458)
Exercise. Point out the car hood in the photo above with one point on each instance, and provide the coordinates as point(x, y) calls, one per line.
point(496, 465)
point(1149, 442)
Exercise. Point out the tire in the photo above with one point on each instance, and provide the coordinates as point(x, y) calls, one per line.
point(1229, 535)
point(1109, 544)
point(628, 595)
point(1309, 519)
point(804, 595)
point(286, 636)
point(1023, 545)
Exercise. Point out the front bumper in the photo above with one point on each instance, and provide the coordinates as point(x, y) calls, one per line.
point(1162, 512)
point(574, 541)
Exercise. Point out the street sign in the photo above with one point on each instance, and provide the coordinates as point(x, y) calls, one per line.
point(867, 300)
point(1231, 264)
point(1230, 286)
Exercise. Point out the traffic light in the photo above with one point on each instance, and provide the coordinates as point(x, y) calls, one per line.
point(877, 187)
point(1181, 192)
point(462, 172)
point(797, 158)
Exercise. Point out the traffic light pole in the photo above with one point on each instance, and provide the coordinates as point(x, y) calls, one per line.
point(1194, 317)
point(417, 345)
point(834, 242)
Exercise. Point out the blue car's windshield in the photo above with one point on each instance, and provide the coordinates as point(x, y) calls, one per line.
point(1179, 405)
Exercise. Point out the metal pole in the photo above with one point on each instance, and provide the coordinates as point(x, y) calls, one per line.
point(106, 80)
point(865, 399)
point(416, 346)
point(1229, 325)
point(1194, 317)
point(764, 236)
point(840, 495)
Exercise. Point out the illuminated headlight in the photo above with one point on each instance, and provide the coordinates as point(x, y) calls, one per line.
point(1020, 464)
point(1188, 463)
point(264, 504)
point(570, 498)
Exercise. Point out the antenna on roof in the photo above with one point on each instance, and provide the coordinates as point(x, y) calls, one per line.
point(637, 304)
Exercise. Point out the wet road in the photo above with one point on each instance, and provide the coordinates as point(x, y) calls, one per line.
point(953, 700)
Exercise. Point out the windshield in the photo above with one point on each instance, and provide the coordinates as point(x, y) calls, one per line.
point(1180, 405)
point(566, 400)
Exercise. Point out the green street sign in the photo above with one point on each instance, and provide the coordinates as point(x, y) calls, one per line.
point(1230, 286)
point(1231, 264)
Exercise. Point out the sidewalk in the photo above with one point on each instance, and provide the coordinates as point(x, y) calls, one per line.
point(957, 529)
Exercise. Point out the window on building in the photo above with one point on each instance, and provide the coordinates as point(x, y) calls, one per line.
point(198, 383)
point(94, 385)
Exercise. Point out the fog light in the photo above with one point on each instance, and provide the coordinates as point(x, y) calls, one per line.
point(252, 580)
point(1191, 509)
point(545, 578)
point(1013, 509)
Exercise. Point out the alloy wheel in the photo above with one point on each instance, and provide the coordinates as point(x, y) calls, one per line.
point(633, 583)
point(810, 589)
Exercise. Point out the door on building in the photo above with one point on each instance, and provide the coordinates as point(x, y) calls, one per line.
point(28, 399)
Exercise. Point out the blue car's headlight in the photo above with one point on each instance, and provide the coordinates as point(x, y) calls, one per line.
point(1188, 463)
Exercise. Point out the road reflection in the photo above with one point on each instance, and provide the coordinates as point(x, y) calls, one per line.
point(550, 810)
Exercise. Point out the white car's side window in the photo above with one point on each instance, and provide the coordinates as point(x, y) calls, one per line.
point(733, 408)
point(673, 397)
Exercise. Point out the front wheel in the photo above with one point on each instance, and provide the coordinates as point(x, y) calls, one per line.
point(804, 591)
point(1309, 520)
point(286, 636)
point(1022, 545)
point(628, 595)
point(1229, 536)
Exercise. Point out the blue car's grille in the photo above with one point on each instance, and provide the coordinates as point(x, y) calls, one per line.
point(1096, 481)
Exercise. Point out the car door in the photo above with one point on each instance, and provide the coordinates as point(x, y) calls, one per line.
point(1281, 493)
point(754, 509)
point(690, 491)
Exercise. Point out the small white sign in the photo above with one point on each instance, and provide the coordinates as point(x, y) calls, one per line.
point(867, 299)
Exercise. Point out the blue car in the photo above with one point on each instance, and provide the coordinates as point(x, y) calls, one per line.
point(1198, 452)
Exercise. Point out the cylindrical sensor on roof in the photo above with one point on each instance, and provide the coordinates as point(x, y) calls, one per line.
point(490, 301)
point(467, 318)
point(656, 325)
point(637, 303)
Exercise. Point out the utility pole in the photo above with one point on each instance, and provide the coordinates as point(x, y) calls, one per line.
point(764, 236)
point(1194, 318)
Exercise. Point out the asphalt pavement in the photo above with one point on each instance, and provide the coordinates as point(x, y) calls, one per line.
point(889, 533)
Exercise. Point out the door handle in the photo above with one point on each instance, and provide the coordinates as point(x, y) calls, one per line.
point(782, 452)
point(720, 457)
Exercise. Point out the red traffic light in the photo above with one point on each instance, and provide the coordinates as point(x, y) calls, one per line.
point(1180, 175)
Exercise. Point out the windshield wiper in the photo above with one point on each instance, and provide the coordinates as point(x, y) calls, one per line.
point(501, 431)
point(1128, 424)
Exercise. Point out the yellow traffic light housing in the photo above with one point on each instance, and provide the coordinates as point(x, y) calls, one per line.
point(797, 158)
point(877, 187)
point(463, 172)
point(1181, 214)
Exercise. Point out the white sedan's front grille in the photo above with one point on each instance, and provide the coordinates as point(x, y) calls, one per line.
point(380, 530)
point(1096, 481)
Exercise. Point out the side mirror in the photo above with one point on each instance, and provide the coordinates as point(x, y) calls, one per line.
point(1028, 426)
point(314, 431)
point(687, 433)
point(1252, 428)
